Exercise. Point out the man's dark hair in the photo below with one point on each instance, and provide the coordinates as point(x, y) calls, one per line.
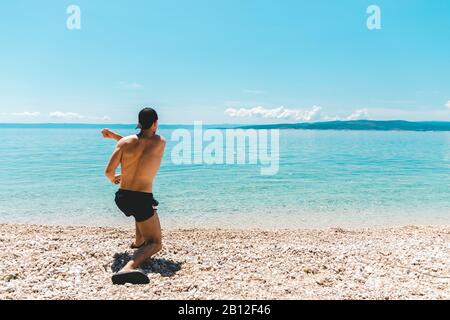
point(147, 117)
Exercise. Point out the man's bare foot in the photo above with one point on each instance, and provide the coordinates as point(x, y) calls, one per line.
point(130, 266)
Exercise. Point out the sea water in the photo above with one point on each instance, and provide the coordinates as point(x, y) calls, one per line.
point(54, 175)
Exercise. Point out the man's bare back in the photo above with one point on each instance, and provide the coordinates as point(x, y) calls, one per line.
point(140, 161)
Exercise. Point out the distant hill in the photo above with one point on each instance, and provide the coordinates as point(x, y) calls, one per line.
point(391, 125)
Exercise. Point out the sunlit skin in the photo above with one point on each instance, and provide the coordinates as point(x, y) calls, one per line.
point(139, 159)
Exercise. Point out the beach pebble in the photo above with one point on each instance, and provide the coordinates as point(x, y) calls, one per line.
point(51, 262)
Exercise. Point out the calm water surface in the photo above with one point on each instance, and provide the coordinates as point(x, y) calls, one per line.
point(326, 178)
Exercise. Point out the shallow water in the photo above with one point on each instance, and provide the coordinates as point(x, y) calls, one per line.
point(326, 178)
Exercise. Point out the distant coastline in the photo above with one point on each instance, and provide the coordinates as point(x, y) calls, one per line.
point(353, 125)
point(360, 125)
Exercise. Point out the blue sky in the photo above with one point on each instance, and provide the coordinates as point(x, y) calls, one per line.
point(246, 61)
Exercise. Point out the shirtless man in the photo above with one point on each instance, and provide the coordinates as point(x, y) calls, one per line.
point(139, 157)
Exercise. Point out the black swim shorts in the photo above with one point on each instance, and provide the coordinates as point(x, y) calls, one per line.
point(140, 205)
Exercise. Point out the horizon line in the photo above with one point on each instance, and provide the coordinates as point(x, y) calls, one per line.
point(213, 124)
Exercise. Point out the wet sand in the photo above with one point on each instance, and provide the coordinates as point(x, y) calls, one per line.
point(50, 262)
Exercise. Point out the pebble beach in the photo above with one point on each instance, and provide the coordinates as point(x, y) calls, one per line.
point(63, 262)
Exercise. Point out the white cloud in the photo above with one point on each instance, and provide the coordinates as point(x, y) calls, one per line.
point(358, 115)
point(282, 113)
point(65, 115)
point(26, 114)
point(277, 113)
point(75, 116)
point(448, 104)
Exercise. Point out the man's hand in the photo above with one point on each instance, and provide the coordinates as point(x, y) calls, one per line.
point(117, 179)
point(108, 134)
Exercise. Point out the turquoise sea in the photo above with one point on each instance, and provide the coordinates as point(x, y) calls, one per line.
point(54, 175)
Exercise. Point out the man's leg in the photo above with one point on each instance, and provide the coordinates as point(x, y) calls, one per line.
point(139, 239)
point(150, 230)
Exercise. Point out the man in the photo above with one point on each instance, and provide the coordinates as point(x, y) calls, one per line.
point(139, 157)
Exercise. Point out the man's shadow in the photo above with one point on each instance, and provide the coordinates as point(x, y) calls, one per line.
point(166, 268)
